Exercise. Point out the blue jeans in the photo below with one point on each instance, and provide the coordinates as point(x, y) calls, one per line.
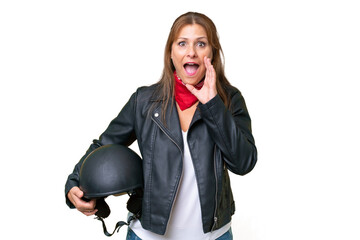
point(131, 235)
point(226, 236)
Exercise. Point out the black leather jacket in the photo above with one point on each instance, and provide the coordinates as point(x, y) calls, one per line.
point(218, 138)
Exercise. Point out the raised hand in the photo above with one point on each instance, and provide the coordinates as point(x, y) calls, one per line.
point(208, 90)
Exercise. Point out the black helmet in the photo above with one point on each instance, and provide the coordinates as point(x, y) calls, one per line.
point(112, 170)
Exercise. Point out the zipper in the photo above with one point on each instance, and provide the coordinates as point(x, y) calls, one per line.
point(182, 155)
point(167, 135)
point(182, 159)
point(216, 192)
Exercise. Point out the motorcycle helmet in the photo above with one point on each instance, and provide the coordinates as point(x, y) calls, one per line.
point(112, 170)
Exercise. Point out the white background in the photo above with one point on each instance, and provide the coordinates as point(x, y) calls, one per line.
point(68, 67)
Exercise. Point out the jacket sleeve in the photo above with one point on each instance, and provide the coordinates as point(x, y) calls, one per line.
point(231, 131)
point(121, 130)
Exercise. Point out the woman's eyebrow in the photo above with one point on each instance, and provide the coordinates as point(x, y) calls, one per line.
point(185, 38)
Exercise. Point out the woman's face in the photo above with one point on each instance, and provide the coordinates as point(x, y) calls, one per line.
point(188, 52)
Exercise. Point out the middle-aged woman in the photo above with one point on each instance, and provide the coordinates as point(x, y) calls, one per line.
point(191, 127)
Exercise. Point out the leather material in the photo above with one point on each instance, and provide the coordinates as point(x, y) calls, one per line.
point(219, 139)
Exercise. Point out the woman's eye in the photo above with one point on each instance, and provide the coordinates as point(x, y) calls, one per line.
point(201, 44)
point(182, 44)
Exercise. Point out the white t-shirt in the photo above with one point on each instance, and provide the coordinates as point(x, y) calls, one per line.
point(185, 219)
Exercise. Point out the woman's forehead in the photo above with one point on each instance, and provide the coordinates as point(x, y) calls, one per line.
point(191, 30)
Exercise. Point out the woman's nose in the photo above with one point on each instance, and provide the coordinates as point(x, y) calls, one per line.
point(192, 52)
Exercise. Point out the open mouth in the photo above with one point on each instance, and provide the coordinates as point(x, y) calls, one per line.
point(191, 68)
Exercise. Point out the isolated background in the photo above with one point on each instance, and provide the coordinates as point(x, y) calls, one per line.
point(68, 67)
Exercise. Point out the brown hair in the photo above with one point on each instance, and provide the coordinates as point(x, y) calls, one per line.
point(166, 82)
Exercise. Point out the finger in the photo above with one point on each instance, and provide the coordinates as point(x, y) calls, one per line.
point(74, 195)
point(207, 72)
point(78, 193)
point(192, 89)
point(210, 72)
point(213, 75)
point(78, 197)
point(89, 213)
point(207, 60)
point(207, 65)
point(86, 206)
point(208, 69)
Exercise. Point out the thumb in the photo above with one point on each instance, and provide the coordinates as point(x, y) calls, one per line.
point(78, 193)
point(192, 89)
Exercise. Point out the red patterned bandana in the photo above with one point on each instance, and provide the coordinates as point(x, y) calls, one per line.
point(183, 96)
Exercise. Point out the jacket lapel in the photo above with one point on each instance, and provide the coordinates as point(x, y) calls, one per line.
point(172, 127)
point(196, 117)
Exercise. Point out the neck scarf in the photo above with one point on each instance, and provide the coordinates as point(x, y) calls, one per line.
point(183, 96)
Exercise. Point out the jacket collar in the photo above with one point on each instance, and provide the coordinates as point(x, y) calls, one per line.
point(172, 126)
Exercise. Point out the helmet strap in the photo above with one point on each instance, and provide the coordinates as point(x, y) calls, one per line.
point(133, 205)
point(117, 226)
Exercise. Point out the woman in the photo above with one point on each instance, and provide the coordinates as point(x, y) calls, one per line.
point(187, 145)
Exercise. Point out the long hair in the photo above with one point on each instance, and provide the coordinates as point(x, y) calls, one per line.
point(166, 84)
